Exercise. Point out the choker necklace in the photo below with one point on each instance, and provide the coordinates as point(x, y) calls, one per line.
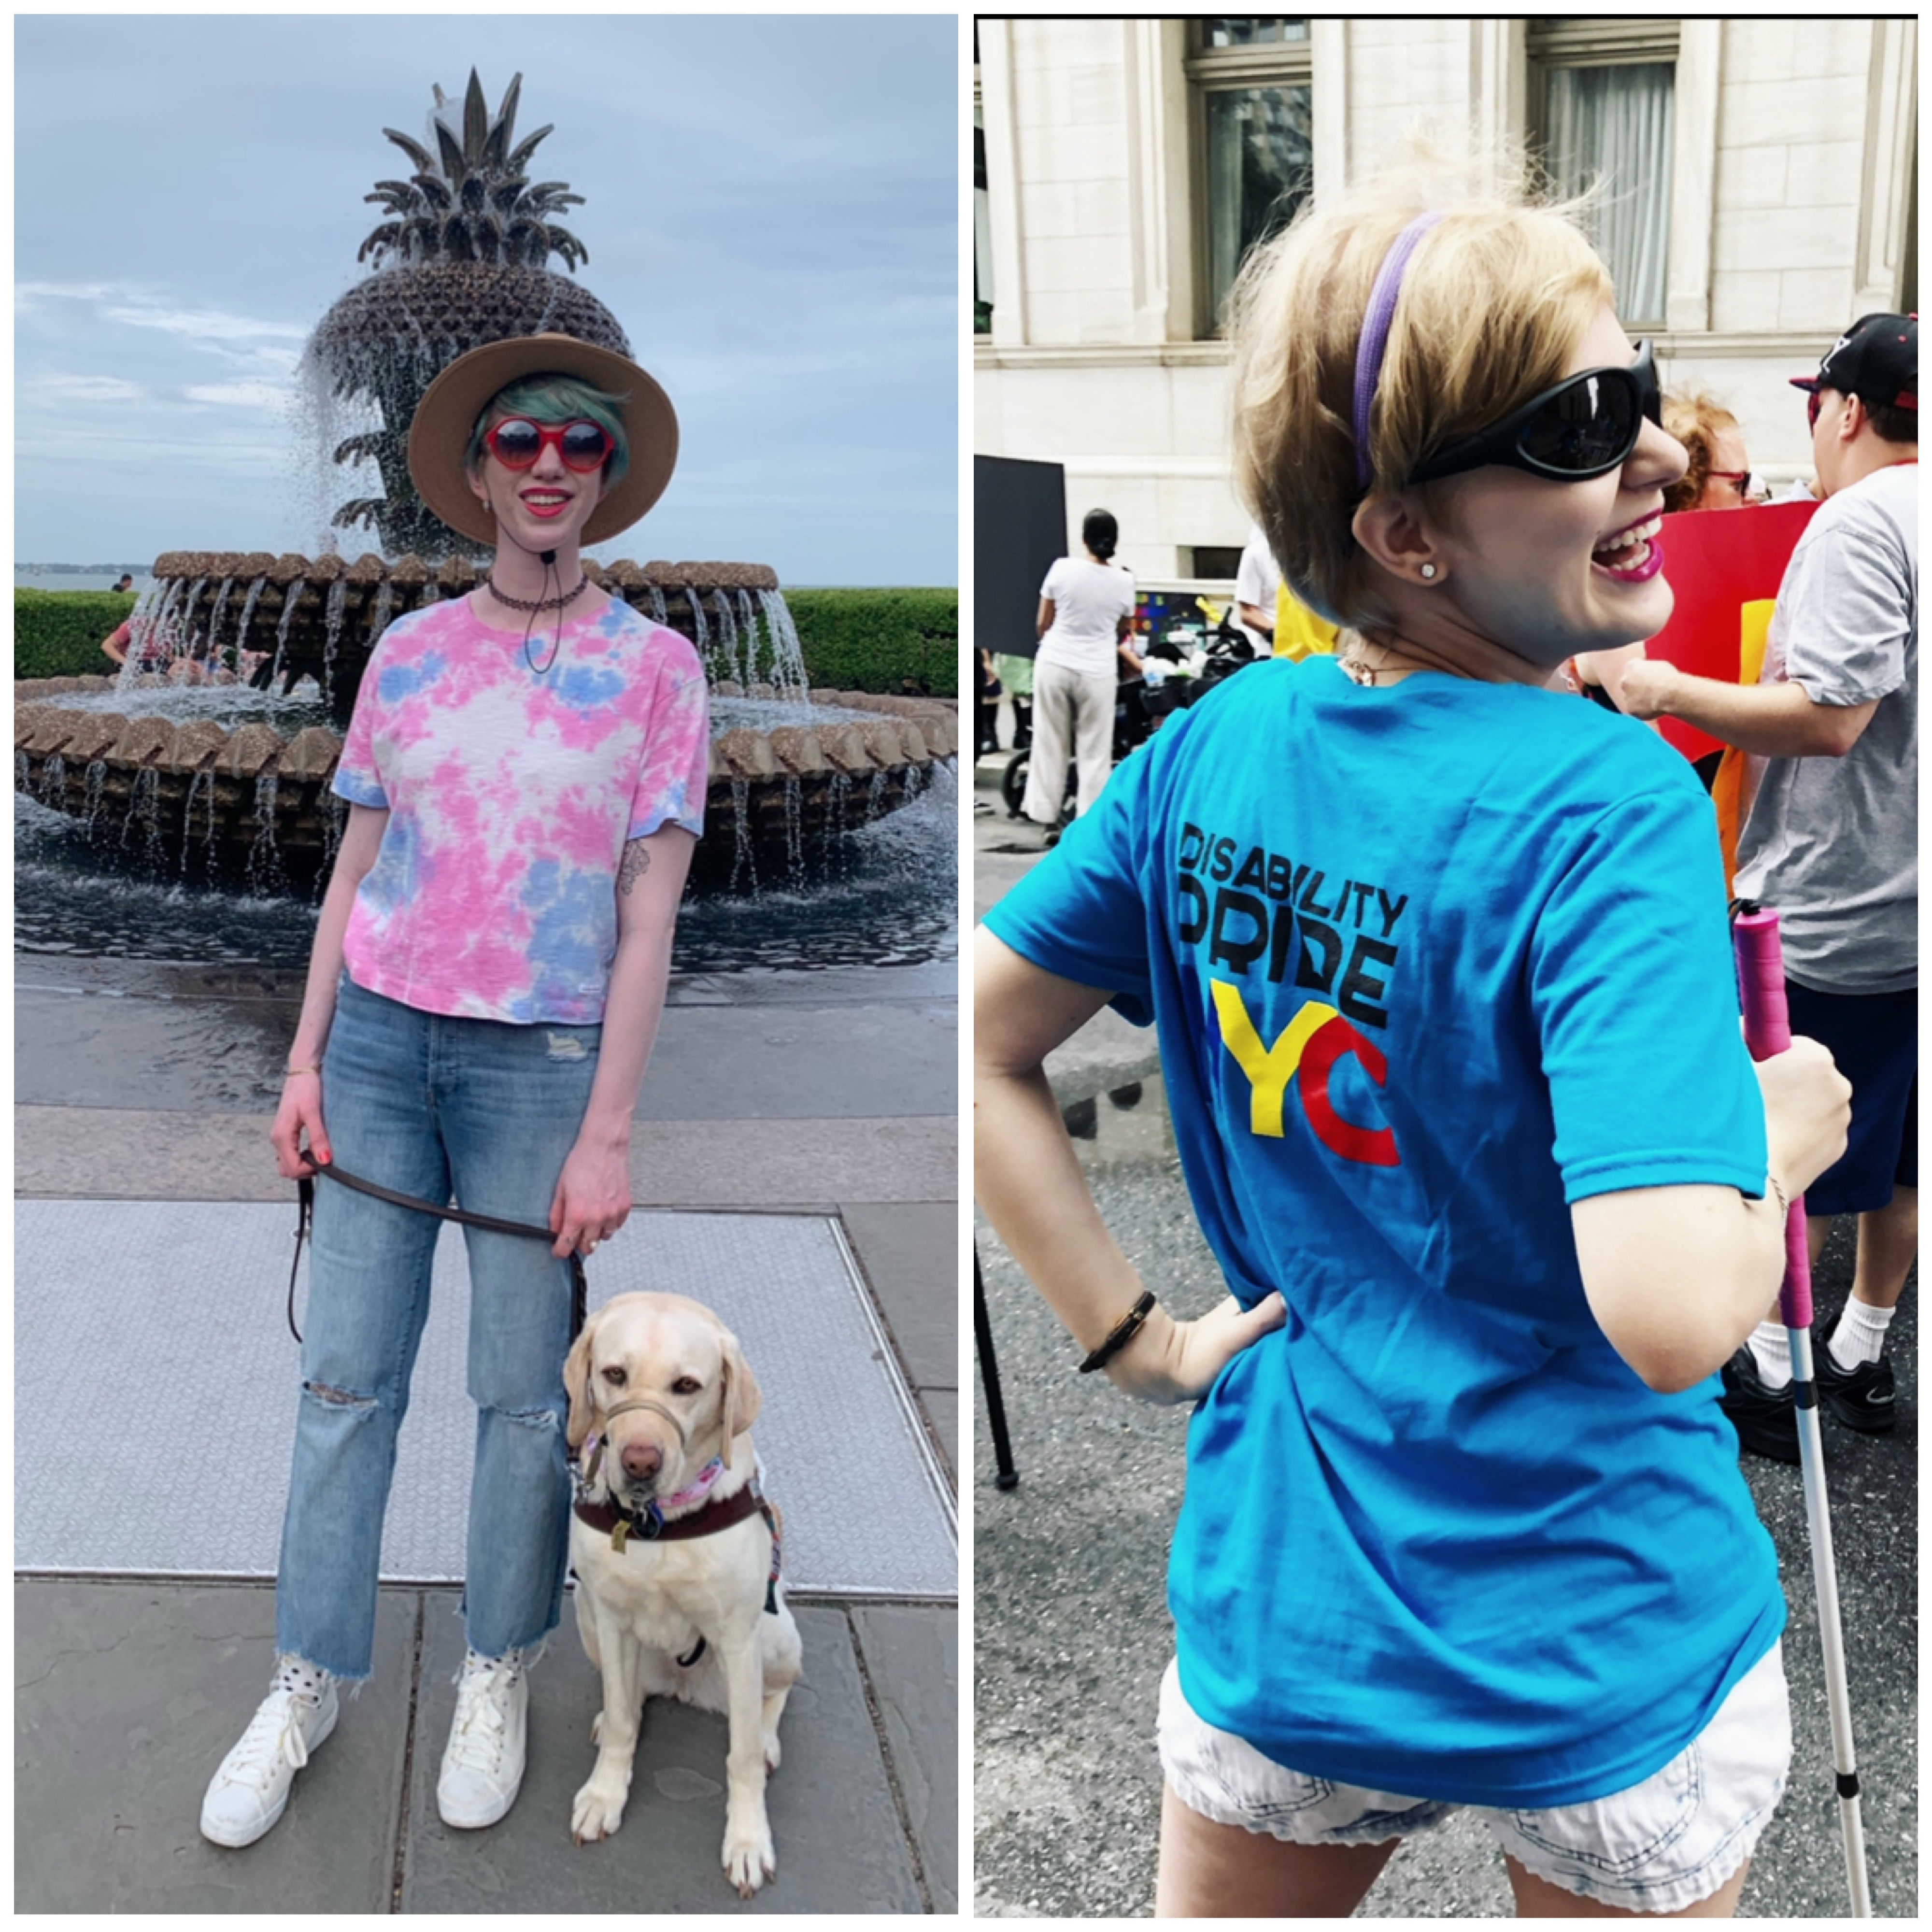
point(540, 603)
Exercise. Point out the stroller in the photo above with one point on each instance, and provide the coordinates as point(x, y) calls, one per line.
point(1134, 721)
point(1140, 704)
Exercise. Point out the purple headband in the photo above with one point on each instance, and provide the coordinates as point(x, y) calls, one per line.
point(1375, 332)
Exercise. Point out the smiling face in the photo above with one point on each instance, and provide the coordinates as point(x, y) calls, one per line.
point(544, 507)
point(1546, 568)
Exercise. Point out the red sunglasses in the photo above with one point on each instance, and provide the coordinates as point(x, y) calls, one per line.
point(516, 443)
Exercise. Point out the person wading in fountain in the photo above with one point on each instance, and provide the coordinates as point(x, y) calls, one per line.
point(526, 773)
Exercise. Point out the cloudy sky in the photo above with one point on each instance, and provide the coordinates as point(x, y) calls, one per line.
point(770, 210)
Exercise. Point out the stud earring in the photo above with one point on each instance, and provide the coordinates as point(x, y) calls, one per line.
point(1428, 570)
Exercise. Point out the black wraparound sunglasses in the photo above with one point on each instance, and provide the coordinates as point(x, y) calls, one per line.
point(1585, 426)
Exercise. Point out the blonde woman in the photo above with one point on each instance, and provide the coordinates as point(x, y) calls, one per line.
point(1439, 961)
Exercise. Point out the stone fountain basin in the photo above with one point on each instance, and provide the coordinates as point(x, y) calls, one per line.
point(254, 799)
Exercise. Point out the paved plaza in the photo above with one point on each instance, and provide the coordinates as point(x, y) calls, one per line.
point(795, 1158)
point(1071, 1628)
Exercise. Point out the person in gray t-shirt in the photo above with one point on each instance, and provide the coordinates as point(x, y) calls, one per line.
point(1831, 841)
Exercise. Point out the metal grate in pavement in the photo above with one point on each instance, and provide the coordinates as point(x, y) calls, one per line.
point(155, 1387)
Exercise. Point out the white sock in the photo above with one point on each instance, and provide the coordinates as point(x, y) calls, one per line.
point(1771, 1350)
point(1860, 1335)
point(304, 1678)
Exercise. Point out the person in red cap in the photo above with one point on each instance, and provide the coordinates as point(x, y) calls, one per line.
point(1831, 841)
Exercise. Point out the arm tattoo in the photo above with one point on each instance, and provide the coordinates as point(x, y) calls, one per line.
point(636, 861)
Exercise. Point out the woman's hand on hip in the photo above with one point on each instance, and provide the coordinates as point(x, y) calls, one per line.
point(593, 1196)
point(1170, 1361)
point(299, 1115)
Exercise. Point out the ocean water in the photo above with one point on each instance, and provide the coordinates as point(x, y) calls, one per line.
point(26, 578)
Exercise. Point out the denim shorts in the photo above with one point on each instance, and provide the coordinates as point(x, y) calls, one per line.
point(1657, 1847)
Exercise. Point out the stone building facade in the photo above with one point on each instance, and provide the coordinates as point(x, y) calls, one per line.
point(1780, 158)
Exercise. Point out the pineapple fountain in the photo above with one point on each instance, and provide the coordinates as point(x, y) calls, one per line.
point(214, 763)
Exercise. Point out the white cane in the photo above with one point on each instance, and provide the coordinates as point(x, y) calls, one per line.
point(1767, 1031)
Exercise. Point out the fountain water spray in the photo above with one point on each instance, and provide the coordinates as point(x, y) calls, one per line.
point(460, 259)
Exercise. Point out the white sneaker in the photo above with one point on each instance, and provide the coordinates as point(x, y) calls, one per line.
point(483, 1763)
point(250, 1791)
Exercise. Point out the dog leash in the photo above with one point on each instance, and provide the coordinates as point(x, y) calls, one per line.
point(305, 1188)
point(651, 1526)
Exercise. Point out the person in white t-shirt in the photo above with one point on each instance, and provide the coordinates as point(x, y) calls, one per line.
point(1086, 616)
point(1257, 578)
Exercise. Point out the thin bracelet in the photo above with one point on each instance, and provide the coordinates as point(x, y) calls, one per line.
point(289, 1073)
point(1123, 1332)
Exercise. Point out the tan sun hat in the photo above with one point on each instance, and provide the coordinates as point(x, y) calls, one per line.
point(440, 432)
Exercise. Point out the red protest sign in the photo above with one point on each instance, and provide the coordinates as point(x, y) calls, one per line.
point(1724, 568)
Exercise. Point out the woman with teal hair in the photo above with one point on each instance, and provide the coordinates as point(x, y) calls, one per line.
point(525, 773)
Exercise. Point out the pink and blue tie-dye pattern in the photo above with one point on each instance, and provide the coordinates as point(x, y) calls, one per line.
point(511, 794)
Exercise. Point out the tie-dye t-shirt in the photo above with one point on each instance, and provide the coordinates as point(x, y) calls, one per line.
point(511, 793)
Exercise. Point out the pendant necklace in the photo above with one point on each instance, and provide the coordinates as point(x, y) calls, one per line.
point(534, 605)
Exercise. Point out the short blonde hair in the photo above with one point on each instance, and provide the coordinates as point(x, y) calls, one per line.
point(1697, 421)
point(1492, 304)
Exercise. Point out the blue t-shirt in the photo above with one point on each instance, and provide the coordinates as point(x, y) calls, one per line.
point(1429, 964)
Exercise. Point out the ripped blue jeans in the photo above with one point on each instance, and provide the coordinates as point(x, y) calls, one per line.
point(431, 1106)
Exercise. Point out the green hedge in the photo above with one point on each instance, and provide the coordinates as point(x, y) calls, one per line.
point(867, 640)
point(58, 633)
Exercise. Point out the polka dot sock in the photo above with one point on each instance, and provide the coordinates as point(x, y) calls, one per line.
point(474, 1659)
point(297, 1674)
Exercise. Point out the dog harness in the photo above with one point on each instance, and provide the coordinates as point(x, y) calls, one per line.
point(654, 1526)
point(651, 1525)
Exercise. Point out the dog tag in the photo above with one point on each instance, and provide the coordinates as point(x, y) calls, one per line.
point(619, 1535)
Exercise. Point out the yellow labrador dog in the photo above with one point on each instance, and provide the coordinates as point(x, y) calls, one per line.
point(669, 1603)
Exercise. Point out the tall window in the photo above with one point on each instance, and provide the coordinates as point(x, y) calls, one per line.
point(1254, 153)
point(983, 224)
point(1908, 281)
point(982, 234)
point(1602, 94)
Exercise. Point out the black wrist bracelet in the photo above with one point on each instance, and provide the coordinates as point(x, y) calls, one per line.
point(1123, 1332)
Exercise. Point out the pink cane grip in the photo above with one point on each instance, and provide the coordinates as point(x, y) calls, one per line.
point(1767, 1031)
point(1761, 983)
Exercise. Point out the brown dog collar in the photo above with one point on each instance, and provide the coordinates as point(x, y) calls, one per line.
point(714, 1515)
point(719, 1514)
